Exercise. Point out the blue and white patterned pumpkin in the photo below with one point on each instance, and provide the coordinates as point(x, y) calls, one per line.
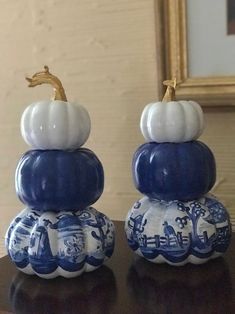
point(178, 232)
point(60, 244)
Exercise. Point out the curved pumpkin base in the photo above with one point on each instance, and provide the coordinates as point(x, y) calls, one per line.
point(178, 232)
point(60, 244)
point(58, 272)
point(190, 259)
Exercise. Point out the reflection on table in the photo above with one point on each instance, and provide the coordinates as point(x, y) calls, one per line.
point(90, 293)
point(190, 289)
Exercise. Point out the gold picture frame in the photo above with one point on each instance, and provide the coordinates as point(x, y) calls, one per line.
point(212, 91)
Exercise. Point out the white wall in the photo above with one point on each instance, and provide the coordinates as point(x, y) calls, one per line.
point(211, 51)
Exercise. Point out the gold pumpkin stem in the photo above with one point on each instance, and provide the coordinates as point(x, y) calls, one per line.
point(45, 77)
point(170, 91)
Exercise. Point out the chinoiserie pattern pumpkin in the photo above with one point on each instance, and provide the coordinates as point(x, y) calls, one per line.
point(58, 234)
point(60, 244)
point(177, 222)
point(178, 232)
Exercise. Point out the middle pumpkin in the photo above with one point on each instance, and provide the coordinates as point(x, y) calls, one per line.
point(59, 180)
point(174, 171)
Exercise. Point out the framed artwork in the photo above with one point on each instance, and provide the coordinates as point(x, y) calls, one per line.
point(199, 48)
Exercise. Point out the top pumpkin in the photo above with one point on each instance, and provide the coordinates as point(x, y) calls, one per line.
point(54, 124)
point(170, 120)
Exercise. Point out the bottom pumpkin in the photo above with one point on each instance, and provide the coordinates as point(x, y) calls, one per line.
point(60, 244)
point(178, 232)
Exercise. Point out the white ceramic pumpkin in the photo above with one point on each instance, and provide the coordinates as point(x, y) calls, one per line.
point(54, 124)
point(172, 121)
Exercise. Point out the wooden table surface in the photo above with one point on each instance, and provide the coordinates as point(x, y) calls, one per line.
point(125, 284)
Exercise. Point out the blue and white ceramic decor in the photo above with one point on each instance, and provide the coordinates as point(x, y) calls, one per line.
point(178, 232)
point(176, 222)
point(174, 171)
point(57, 123)
point(58, 179)
point(58, 234)
point(60, 244)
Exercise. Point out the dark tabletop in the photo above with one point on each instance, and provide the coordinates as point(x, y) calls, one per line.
point(125, 284)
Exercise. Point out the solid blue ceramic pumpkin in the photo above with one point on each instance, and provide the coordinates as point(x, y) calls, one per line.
point(174, 171)
point(59, 180)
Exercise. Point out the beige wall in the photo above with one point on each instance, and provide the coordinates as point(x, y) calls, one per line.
point(104, 52)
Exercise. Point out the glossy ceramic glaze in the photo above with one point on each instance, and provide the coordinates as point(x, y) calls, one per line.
point(174, 121)
point(60, 244)
point(170, 171)
point(178, 232)
point(59, 180)
point(55, 125)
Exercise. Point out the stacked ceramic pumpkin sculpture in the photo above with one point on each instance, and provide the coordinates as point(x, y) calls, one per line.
point(176, 221)
point(58, 233)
